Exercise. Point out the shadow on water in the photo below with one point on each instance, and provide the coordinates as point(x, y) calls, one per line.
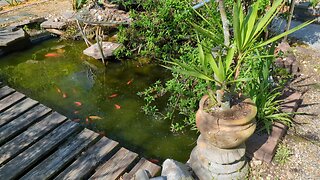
point(58, 75)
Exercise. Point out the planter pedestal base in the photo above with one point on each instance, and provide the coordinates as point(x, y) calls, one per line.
point(210, 162)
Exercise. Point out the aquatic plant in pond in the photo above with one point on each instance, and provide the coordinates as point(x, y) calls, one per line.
point(103, 99)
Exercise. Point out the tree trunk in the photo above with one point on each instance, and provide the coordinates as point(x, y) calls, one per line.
point(225, 23)
point(289, 19)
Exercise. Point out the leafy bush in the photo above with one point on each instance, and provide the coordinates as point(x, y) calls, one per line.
point(222, 68)
point(263, 88)
point(161, 30)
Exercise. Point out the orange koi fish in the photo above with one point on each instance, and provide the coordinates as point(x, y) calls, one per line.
point(58, 90)
point(117, 106)
point(76, 120)
point(75, 112)
point(113, 95)
point(77, 103)
point(52, 55)
point(130, 81)
point(87, 121)
point(95, 117)
point(64, 95)
point(154, 160)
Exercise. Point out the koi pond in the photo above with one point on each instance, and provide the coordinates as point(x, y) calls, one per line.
point(58, 75)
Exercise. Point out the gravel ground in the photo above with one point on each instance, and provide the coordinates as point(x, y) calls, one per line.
point(303, 139)
point(46, 9)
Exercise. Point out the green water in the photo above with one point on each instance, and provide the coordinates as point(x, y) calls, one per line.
point(85, 80)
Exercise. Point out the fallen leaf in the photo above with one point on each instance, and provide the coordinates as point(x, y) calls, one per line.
point(95, 117)
point(117, 106)
point(52, 55)
point(59, 90)
point(113, 95)
point(130, 81)
point(75, 112)
point(77, 103)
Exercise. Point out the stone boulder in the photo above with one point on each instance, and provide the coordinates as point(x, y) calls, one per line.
point(11, 35)
point(13, 39)
point(107, 47)
point(174, 170)
point(53, 24)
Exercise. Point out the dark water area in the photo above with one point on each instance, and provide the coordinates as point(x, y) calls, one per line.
point(58, 75)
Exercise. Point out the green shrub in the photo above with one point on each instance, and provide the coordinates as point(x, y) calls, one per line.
point(265, 88)
point(161, 31)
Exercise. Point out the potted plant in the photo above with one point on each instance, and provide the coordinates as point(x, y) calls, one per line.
point(221, 69)
point(225, 117)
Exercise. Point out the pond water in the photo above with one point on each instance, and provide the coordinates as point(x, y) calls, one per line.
point(58, 75)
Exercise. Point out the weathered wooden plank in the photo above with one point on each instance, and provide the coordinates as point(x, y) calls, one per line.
point(143, 164)
point(58, 160)
point(4, 91)
point(15, 127)
point(31, 135)
point(16, 110)
point(115, 166)
point(26, 159)
point(10, 100)
point(88, 161)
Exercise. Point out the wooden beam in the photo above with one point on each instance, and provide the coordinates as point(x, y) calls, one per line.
point(143, 164)
point(16, 110)
point(48, 168)
point(5, 91)
point(22, 122)
point(31, 135)
point(115, 166)
point(89, 160)
point(40, 149)
point(10, 100)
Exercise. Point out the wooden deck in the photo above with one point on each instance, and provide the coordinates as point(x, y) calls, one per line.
point(38, 143)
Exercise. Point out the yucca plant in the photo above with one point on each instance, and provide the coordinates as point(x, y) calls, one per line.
point(224, 68)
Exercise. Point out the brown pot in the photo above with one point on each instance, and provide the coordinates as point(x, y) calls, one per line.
point(228, 128)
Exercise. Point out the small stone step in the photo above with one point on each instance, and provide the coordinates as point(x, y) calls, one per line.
point(51, 24)
point(10, 35)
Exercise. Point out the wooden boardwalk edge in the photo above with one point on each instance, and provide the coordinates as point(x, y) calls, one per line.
point(38, 143)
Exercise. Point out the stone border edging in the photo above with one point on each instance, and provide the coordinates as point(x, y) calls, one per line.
point(263, 146)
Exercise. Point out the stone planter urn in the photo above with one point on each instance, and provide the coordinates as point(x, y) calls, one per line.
point(220, 150)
